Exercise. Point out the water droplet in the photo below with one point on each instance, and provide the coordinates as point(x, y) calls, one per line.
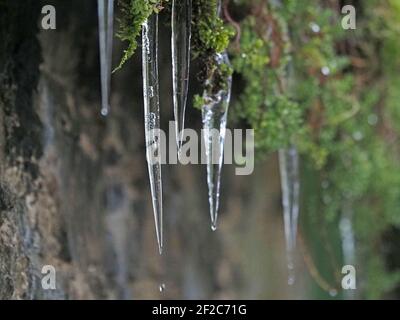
point(314, 27)
point(333, 292)
point(291, 280)
point(213, 227)
point(104, 112)
point(326, 199)
point(358, 136)
point(325, 71)
point(372, 119)
point(162, 287)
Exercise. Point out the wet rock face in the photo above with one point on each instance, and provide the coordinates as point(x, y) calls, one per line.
point(20, 147)
point(74, 190)
point(70, 180)
point(50, 187)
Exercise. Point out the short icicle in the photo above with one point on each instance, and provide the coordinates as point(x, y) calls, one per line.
point(180, 44)
point(106, 30)
point(152, 118)
point(289, 170)
point(214, 116)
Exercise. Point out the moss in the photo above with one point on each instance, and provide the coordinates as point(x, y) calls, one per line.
point(133, 14)
point(303, 80)
point(209, 33)
point(210, 36)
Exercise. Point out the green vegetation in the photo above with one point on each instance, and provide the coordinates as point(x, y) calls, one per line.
point(134, 14)
point(333, 93)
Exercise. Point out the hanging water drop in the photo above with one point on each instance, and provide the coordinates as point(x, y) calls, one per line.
point(106, 30)
point(333, 292)
point(214, 115)
point(162, 287)
point(289, 170)
point(152, 118)
point(180, 42)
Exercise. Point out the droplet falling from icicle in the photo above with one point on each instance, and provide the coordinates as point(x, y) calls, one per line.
point(214, 115)
point(152, 118)
point(106, 29)
point(289, 170)
point(180, 42)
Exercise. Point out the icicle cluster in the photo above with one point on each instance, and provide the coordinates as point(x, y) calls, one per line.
point(214, 110)
point(106, 30)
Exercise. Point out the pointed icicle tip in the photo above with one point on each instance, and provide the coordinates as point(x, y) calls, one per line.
point(160, 248)
point(179, 148)
point(104, 112)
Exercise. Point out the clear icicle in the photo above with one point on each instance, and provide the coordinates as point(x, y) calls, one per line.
point(180, 43)
point(214, 114)
point(289, 169)
point(106, 29)
point(348, 243)
point(152, 118)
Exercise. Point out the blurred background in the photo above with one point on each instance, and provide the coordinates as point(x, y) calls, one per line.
point(74, 185)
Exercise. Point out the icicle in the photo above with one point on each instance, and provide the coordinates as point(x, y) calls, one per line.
point(214, 114)
point(289, 169)
point(348, 244)
point(152, 118)
point(180, 43)
point(106, 26)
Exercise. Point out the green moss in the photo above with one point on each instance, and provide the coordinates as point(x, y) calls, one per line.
point(209, 33)
point(303, 80)
point(266, 102)
point(134, 14)
point(210, 36)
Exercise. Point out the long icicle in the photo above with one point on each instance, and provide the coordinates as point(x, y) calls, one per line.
point(106, 30)
point(348, 241)
point(152, 118)
point(214, 115)
point(180, 44)
point(290, 184)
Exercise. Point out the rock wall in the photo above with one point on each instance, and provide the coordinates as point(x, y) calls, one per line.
point(74, 188)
